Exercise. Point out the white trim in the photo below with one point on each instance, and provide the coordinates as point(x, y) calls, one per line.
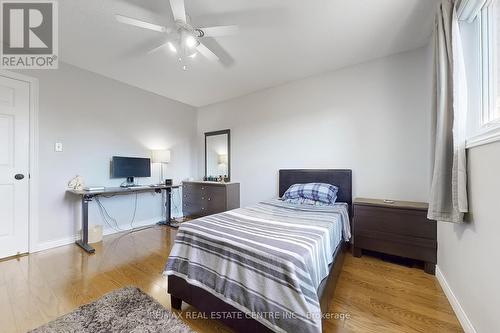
point(489, 63)
point(33, 158)
point(468, 10)
point(490, 135)
point(455, 304)
point(484, 128)
point(54, 243)
point(107, 231)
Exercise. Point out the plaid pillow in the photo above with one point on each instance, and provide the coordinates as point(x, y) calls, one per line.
point(322, 192)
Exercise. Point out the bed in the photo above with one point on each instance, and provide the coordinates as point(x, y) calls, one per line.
point(271, 267)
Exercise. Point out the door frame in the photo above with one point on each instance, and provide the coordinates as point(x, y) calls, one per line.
point(33, 156)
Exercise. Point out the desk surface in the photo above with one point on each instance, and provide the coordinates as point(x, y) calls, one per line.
point(123, 190)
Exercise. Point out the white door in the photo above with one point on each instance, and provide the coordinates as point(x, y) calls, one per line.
point(14, 163)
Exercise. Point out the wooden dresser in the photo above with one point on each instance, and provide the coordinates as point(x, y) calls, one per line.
point(201, 198)
point(398, 228)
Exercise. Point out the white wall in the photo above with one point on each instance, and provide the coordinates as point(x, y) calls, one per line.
point(468, 254)
point(95, 118)
point(373, 118)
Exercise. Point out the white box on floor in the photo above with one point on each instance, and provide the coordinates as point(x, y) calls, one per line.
point(95, 233)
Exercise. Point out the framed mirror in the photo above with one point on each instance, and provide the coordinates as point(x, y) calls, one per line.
point(218, 155)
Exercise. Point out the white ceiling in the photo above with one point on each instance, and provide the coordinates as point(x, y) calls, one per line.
point(279, 41)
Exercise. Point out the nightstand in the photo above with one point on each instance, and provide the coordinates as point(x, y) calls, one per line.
point(398, 228)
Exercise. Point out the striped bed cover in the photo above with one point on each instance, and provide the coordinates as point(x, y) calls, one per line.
point(266, 260)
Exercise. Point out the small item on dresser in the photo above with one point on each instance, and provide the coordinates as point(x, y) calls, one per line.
point(168, 182)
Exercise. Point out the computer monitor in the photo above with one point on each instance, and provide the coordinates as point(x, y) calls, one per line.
point(130, 167)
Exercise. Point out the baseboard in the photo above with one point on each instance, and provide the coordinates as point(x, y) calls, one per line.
point(455, 304)
point(42, 246)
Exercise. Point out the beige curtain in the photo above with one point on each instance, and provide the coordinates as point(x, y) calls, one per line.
point(448, 198)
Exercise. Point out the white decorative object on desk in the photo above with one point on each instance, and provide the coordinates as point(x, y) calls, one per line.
point(76, 183)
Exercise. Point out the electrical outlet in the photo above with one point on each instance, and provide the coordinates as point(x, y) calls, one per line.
point(58, 147)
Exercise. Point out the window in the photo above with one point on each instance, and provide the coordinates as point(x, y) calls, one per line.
point(494, 114)
point(490, 36)
point(487, 117)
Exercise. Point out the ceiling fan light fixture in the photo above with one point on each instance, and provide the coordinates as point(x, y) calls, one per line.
point(172, 47)
point(191, 41)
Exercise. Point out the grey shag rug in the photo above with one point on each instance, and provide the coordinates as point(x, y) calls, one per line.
point(123, 310)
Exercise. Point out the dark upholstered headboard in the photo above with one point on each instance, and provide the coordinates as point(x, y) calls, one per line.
point(342, 178)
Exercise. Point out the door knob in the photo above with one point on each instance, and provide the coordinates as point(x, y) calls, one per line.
point(19, 176)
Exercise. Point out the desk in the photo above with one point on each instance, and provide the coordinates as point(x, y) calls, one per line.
point(87, 196)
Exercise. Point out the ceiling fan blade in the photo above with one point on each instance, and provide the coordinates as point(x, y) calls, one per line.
point(140, 24)
point(207, 53)
point(219, 31)
point(178, 10)
point(164, 45)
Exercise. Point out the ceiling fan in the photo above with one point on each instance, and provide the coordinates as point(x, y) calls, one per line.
point(183, 39)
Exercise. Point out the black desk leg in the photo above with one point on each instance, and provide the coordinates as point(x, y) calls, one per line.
point(167, 208)
point(168, 204)
point(84, 242)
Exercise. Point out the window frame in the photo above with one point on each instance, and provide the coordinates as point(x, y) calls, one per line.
point(487, 126)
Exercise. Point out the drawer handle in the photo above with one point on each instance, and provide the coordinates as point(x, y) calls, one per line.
point(209, 199)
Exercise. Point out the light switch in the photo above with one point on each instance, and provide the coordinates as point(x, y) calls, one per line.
point(58, 147)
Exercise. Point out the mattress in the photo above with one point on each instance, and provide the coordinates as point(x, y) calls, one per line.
point(266, 260)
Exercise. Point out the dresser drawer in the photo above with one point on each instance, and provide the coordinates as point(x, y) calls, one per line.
point(215, 199)
point(190, 209)
point(399, 245)
point(191, 198)
point(190, 188)
point(412, 223)
point(215, 193)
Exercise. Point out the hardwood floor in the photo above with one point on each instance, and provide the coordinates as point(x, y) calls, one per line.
point(376, 296)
